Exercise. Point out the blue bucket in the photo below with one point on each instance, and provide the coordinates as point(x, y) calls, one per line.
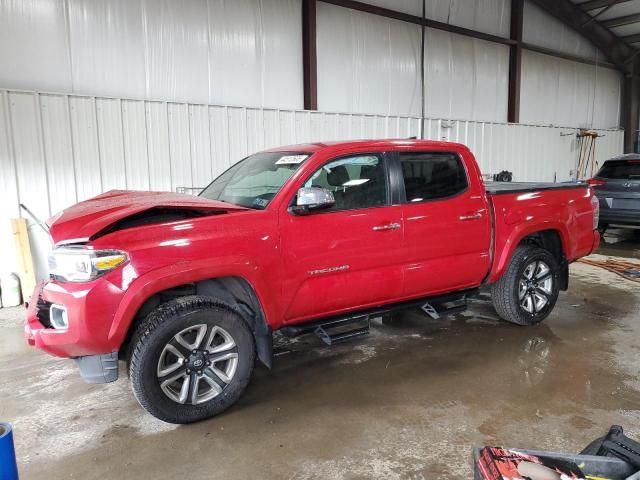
point(8, 467)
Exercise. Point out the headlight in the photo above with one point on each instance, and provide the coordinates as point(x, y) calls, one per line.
point(82, 265)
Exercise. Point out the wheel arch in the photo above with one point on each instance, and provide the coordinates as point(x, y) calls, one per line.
point(552, 239)
point(233, 290)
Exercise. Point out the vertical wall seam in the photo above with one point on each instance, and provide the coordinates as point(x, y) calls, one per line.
point(146, 106)
point(73, 150)
point(43, 152)
point(124, 144)
point(9, 127)
point(94, 103)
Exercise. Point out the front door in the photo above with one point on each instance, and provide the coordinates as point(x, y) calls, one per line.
point(447, 224)
point(349, 256)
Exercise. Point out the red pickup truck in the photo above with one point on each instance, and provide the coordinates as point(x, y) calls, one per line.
point(302, 239)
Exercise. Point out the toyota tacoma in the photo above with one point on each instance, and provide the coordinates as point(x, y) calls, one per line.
point(314, 238)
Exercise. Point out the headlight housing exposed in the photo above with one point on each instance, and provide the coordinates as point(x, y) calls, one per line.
point(82, 265)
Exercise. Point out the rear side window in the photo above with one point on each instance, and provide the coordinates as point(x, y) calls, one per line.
point(622, 170)
point(430, 176)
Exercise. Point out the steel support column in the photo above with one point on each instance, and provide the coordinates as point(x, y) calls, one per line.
point(515, 61)
point(631, 110)
point(309, 55)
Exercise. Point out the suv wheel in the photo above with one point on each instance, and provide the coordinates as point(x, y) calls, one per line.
point(192, 359)
point(528, 290)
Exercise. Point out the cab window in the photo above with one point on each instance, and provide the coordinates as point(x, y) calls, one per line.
point(431, 176)
point(356, 182)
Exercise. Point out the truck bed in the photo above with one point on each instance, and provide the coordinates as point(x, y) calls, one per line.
point(497, 188)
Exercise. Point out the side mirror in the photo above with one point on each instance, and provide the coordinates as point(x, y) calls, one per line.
point(311, 199)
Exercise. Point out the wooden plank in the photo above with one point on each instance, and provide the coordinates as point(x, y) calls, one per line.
point(25, 260)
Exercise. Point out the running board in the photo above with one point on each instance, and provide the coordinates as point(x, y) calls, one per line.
point(435, 307)
point(436, 311)
point(332, 334)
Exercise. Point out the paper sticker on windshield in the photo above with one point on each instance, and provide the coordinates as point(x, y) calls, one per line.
point(291, 159)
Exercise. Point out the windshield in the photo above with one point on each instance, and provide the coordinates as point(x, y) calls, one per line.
point(254, 181)
point(622, 170)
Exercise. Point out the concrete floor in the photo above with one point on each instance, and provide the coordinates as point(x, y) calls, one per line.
point(408, 401)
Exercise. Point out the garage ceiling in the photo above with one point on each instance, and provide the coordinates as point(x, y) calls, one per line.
point(622, 17)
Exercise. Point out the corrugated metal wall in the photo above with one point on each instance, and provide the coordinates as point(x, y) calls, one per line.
point(544, 30)
point(239, 52)
point(57, 149)
point(560, 92)
point(368, 63)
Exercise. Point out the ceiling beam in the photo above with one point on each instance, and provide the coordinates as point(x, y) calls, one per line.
point(593, 4)
point(632, 38)
point(613, 47)
point(406, 17)
point(619, 21)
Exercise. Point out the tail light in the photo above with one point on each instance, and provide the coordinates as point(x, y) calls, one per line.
point(594, 182)
point(595, 205)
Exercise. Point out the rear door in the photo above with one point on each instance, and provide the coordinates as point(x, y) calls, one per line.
point(351, 255)
point(447, 223)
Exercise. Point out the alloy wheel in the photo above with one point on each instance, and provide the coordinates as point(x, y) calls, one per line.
point(535, 287)
point(197, 364)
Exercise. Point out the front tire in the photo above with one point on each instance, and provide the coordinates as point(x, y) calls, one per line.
point(528, 290)
point(192, 359)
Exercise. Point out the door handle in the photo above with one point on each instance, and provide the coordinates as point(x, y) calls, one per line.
point(389, 226)
point(471, 216)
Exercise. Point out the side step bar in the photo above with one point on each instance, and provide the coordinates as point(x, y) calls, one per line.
point(346, 327)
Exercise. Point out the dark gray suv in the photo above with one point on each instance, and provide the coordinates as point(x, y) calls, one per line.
point(617, 185)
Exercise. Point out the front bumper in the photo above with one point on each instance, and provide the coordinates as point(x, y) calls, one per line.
point(91, 310)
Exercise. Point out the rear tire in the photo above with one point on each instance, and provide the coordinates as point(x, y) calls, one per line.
point(192, 359)
point(528, 290)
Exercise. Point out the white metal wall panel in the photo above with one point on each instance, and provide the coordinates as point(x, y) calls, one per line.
point(555, 91)
point(34, 52)
point(179, 146)
point(465, 77)
point(107, 47)
point(86, 152)
point(367, 63)
point(249, 43)
point(244, 52)
point(112, 165)
point(64, 148)
point(201, 164)
point(134, 133)
point(176, 49)
point(371, 64)
point(488, 16)
point(8, 186)
point(157, 121)
point(544, 30)
point(56, 133)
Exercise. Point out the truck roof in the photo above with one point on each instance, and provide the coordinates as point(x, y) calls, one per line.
point(384, 144)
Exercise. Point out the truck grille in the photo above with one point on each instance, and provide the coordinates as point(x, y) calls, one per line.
point(43, 312)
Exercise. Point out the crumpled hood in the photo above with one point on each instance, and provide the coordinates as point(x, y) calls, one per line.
point(81, 221)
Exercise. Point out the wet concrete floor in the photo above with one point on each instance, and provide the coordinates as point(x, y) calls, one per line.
point(408, 401)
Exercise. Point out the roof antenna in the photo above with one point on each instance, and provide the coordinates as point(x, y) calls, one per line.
point(413, 138)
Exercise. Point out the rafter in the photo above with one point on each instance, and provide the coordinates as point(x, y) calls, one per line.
point(619, 21)
point(616, 50)
point(632, 38)
point(593, 4)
